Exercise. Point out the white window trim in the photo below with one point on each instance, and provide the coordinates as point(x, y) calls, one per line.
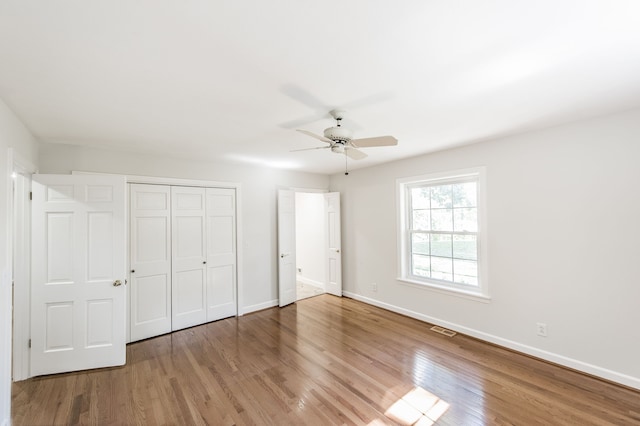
point(403, 250)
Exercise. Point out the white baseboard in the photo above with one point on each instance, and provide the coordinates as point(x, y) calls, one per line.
point(260, 306)
point(309, 281)
point(594, 370)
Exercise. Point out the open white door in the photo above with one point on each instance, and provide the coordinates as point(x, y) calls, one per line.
point(78, 272)
point(286, 247)
point(333, 246)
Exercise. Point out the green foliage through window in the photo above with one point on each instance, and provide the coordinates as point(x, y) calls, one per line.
point(443, 227)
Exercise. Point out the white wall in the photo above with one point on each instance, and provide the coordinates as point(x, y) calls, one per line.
point(310, 236)
point(259, 186)
point(563, 243)
point(13, 134)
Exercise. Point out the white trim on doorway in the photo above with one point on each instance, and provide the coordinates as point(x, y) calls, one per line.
point(19, 248)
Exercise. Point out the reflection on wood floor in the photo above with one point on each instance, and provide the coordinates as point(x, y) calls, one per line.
point(304, 291)
point(322, 361)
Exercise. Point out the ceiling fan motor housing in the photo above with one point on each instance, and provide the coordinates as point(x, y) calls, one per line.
point(337, 133)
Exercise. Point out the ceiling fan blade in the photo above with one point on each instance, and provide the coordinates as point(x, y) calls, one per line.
point(368, 100)
point(292, 124)
point(309, 149)
point(354, 154)
point(304, 97)
point(377, 141)
point(313, 135)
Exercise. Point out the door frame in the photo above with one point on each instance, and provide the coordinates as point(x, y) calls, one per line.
point(21, 290)
point(295, 190)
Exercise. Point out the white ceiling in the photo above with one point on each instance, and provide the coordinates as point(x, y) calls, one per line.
point(230, 80)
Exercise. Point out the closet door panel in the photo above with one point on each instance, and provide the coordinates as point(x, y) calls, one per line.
point(150, 261)
point(188, 257)
point(221, 253)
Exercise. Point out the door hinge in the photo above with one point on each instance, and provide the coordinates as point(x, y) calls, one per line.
point(29, 343)
point(30, 196)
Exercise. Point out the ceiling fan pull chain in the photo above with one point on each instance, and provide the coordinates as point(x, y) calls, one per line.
point(346, 170)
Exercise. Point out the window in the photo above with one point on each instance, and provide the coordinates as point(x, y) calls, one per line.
point(441, 231)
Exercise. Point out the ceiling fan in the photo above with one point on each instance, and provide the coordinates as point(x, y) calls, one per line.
point(340, 141)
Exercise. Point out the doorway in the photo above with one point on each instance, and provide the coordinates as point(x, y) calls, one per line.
point(310, 244)
point(330, 256)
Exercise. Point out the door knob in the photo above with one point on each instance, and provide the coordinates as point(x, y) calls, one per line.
point(117, 283)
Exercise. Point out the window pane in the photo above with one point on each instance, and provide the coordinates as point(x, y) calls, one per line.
point(421, 265)
point(441, 214)
point(465, 247)
point(441, 196)
point(465, 220)
point(442, 219)
point(442, 269)
point(465, 195)
point(420, 198)
point(421, 220)
point(420, 244)
point(441, 245)
point(466, 271)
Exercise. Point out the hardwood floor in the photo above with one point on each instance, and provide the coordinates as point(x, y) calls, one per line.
point(322, 361)
point(304, 291)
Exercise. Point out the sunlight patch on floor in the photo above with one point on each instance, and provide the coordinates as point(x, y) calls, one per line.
point(417, 407)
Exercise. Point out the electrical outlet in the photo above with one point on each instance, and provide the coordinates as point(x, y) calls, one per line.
point(374, 287)
point(541, 329)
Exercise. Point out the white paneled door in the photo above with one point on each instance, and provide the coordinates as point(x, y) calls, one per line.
point(333, 247)
point(221, 253)
point(189, 257)
point(286, 247)
point(150, 273)
point(78, 273)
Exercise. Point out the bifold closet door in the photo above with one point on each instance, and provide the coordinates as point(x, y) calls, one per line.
point(150, 273)
point(189, 257)
point(221, 253)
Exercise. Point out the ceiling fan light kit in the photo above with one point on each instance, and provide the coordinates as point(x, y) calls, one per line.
point(341, 140)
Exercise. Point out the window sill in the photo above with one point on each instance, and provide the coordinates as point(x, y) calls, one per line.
point(465, 294)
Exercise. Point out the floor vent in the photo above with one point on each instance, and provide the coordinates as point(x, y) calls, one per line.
point(448, 333)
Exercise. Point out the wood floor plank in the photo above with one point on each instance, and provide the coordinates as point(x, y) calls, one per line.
point(322, 361)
